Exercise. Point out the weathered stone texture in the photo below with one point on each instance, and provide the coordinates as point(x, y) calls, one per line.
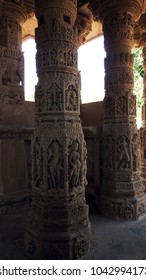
point(58, 227)
point(122, 192)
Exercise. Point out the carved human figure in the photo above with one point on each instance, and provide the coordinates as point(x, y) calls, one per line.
point(55, 98)
point(60, 101)
point(85, 163)
point(61, 58)
point(40, 100)
point(74, 165)
point(55, 25)
point(123, 153)
point(109, 159)
point(67, 100)
point(49, 101)
point(54, 60)
point(12, 96)
point(135, 151)
point(12, 75)
point(45, 57)
point(121, 105)
point(70, 58)
point(38, 160)
point(55, 162)
point(71, 100)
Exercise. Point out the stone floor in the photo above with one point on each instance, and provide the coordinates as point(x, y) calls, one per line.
point(109, 239)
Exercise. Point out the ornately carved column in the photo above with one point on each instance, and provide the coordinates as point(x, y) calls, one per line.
point(58, 225)
point(142, 26)
point(122, 195)
point(13, 164)
point(12, 62)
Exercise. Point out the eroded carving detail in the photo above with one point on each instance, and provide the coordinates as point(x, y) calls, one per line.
point(122, 189)
point(123, 153)
point(55, 165)
point(11, 58)
point(110, 153)
point(127, 210)
point(74, 165)
point(59, 151)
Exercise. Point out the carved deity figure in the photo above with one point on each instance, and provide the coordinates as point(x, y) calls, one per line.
point(122, 105)
point(135, 151)
point(61, 58)
point(123, 153)
point(54, 60)
point(85, 163)
point(109, 160)
point(12, 75)
point(74, 165)
point(55, 98)
point(55, 162)
point(38, 159)
point(40, 99)
point(55, 25)
point(71, 98)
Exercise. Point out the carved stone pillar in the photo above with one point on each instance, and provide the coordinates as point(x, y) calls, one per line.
point(12, 62)
point(58, 226)
point(142, 42)
point(84, 24)
point(13, 174)
point(122, 195)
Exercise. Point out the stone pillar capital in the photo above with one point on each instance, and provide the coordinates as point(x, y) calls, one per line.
point(142, 22)
point(29, 6)
point(13, 15)
point(137, 35)
point(67, 9)
point(15, 9)
point(142, 28)
point(84, 26)
point(102, 8)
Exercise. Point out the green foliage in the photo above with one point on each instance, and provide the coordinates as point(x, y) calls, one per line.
point(138, 78)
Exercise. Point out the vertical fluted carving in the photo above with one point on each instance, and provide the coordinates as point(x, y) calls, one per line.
point(58, 227)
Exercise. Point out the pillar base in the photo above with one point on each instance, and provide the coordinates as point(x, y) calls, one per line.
point(11, 204)
point(57, 231)
point(56, 246)
point(123, 209)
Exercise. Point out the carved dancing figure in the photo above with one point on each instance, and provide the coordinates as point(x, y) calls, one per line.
point(71, 98)
point(109, 153)
point(74, 165)
point(123, 154)
point(135, 151)
point(12, 74)
point(73, 102)
point(67, 99)
point(38, 159)
point(55, 165)
point(85, 163)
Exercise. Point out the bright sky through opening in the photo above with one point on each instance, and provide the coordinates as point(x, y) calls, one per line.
point(90, 63)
